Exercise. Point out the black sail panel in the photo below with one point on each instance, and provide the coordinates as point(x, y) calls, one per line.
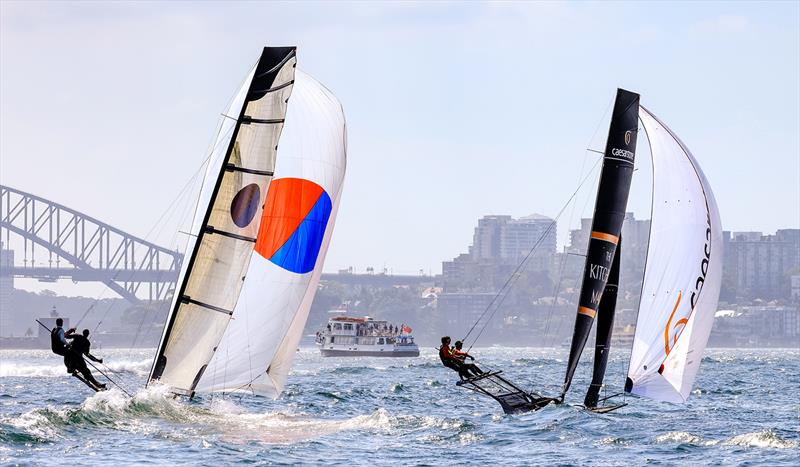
point(609, 212)
point(605, 324)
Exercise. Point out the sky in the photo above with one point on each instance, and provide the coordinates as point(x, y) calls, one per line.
point(454, 110)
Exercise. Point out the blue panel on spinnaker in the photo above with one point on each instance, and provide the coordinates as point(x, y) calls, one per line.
point(299, 253)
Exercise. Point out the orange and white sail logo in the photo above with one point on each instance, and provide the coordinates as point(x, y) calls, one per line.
point(677, 328)
point(628, 136)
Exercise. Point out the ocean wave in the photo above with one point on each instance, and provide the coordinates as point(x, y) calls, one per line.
point(767, 439)
point(11, 435)
point(613, 441)
point(136, 367)
point(9, 369)
point(679, 437)
point(57, 368)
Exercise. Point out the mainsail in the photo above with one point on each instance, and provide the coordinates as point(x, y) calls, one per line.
point(227, 222)
point(609, 213)
point(682, 281)
point(258, 347)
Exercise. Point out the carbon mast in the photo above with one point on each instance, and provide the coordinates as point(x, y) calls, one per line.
point(601, 272)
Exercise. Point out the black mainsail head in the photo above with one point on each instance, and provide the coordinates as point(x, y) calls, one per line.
point(600, 276)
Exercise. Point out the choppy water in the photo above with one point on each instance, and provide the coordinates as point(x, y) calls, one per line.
point(364, 411)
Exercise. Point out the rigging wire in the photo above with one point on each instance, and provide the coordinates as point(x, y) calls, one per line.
point(503, 293)
point(192, 179)
point(147, 236)
point(594, 133)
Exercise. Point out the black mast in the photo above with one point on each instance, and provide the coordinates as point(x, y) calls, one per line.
point(605, 323)
point(609, 212)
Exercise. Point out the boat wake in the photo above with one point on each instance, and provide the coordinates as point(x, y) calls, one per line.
point(154, 412)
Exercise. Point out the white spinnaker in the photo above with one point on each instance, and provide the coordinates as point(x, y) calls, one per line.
point(214, 280)
point(257, 350)
point(683, 273)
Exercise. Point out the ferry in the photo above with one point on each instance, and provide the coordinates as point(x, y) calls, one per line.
point(346, 336)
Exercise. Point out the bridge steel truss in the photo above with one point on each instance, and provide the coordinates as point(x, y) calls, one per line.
point(95, 251)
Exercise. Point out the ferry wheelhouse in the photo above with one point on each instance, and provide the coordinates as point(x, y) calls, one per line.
point(346, 336)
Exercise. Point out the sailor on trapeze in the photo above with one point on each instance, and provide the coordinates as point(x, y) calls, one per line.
point(452, 360)
point(463, 356)
point(74, 356)
point(58, 342)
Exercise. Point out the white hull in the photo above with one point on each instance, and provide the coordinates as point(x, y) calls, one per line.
point(406, 351)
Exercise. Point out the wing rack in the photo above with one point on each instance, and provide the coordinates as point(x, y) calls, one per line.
point(507, 394)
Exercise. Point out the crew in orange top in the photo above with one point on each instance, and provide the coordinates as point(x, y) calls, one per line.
point(463, 356)
point(449, 359)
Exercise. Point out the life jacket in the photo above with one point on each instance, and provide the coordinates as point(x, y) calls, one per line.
point(446, 356)
point(55, 342)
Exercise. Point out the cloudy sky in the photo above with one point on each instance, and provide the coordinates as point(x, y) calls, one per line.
point(454, 110)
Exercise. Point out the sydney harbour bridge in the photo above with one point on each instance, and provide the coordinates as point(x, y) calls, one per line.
point(52, 241)
point(57, 242)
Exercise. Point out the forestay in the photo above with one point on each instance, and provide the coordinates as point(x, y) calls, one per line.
point(226, 222)
point(258, 347)
point(683, 273)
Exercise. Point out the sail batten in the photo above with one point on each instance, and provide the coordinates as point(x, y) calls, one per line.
point(257, 349)
point(225, 223)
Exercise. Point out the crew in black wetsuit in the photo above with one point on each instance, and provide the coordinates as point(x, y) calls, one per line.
point(79, 347)
point(58, 343)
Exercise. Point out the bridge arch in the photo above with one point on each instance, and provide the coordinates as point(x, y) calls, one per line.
point(96, 251)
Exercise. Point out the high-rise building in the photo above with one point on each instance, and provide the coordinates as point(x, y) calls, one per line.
point(500, 244)
point(761, 266)
point(506, 238)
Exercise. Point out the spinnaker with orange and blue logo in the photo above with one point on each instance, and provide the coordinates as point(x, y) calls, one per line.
point(295, 228)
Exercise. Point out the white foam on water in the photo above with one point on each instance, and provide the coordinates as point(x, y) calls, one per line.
point(137, 367)
point(35, 423)
point(10, 369)
point(766, 439)
point(679, 437)
point(54, 367)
